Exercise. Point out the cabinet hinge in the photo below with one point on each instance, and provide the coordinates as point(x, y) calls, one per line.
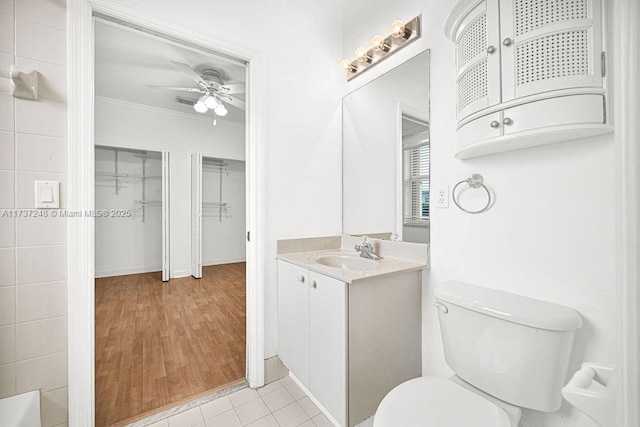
point(603, 63)
point(248, 236)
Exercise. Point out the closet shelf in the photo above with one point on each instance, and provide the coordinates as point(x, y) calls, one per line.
point(126, 175)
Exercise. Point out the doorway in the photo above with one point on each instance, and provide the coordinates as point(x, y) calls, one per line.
point(163, 338)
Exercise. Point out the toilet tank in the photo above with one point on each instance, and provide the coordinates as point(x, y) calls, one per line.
point(513, 347)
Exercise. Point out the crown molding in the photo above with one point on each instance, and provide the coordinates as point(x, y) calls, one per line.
point(160, 110)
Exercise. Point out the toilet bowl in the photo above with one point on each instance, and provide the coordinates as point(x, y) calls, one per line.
point(507, 351)
point(434, 401)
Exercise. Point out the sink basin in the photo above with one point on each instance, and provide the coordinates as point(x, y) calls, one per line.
point(348, 262)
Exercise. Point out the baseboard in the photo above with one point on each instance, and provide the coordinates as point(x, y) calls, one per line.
point(219, 261)
point(180, 273)
point(125, 271)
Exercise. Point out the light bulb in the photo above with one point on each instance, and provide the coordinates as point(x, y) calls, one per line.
point(377, 43)
point(362, 54)
point(399, 30)
point(345, 64)
point(211, 102)
point(221, 110)
point(200, 106)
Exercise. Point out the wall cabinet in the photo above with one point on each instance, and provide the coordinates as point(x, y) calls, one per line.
point(519, 61)
point(349, 344)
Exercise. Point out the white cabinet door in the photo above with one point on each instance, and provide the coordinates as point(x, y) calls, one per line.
point(328, 344)
point(293, 319)
point(549, 45)
point(478, 60)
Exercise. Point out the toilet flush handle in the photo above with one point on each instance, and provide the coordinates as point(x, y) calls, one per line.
point(440, 306)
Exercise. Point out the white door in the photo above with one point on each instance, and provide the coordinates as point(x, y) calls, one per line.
point(478, 60)
point(165, 216)
point(196, 215)
point(328, 344)
point(549, 45)
point(293, 319)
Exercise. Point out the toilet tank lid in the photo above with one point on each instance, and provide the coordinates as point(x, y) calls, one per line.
point(510, 307)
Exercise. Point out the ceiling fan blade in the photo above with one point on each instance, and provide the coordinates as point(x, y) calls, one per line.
point(189, 71)
point(185, 89)
point(234, 101)
point(233, 88)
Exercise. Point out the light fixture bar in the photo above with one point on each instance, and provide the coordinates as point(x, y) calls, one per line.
point(400, 37)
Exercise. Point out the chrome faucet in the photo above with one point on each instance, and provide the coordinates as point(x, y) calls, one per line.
point(366, 249)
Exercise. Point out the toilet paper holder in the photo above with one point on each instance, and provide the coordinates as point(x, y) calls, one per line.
point(592, 391)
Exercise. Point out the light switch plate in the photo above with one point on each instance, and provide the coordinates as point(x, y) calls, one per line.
point(48, 194)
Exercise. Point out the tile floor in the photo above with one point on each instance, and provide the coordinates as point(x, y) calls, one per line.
point(279, 404)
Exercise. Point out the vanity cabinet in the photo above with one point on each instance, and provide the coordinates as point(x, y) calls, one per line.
point(312, 333)
point(529, 72)
point(349, 344)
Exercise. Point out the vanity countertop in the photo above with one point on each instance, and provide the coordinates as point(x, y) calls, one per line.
point(386, 266)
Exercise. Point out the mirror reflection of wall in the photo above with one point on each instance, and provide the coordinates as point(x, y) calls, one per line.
point(373, 151)
point(416, 156)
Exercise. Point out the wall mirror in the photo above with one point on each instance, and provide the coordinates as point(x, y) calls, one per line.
point(386, 155)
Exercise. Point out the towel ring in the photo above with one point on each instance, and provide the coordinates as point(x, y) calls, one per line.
point(474, 181)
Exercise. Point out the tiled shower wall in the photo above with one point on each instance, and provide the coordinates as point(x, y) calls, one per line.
point(33, 264)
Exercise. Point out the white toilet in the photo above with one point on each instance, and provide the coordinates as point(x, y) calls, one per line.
point(508, 352)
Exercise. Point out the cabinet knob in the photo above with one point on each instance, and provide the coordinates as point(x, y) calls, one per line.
point(507, 121)
point(301, 278)
point(495, 124)
point(491, 49)
point(314, 284)
point(507, 41)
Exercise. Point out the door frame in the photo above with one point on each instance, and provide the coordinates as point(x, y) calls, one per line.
point(80, 231)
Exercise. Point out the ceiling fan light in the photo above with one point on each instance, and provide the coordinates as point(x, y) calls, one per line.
point(211, 102)
point(221, 110)
point(200, 106)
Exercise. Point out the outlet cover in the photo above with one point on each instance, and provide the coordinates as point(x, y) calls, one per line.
point(441, 197)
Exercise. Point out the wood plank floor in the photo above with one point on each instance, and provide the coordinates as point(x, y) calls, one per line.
point(161, 343)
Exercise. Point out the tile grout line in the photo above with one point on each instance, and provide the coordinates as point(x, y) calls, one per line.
point(15, 225)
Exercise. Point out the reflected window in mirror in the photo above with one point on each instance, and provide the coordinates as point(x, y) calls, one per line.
point(415, 179)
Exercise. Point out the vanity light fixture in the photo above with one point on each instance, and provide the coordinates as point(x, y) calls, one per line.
point(401, 35)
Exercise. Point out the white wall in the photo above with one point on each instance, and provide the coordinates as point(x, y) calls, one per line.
point(127, 244)
point(33, 251)
point(223, 238)
point(551, 233)
point(122, 124)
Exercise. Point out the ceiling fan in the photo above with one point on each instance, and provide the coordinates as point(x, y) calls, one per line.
point(214, 92)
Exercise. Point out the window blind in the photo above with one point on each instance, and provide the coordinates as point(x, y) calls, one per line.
point(416, 156)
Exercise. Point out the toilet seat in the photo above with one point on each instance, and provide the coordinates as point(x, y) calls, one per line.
point(437, 402)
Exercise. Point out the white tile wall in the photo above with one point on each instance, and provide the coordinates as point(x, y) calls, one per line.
point(7, 305)
point(7, 380)
point(8, 347)
point(41, 337)
point(54, 405)
point(41, 231)
point(7, 269)
point(6, 34)
point(6, 7)
point(7, 189)
point(6, 61)
point(39, 42)
point(46, 373)
point(52, 83)
point(33, 323)
point(7, 108)
point(30, 117)
point(6, 148)
point(7, 239)
point(40, 301)
point(41, 153)
point(41, 264)
point(49, 13)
